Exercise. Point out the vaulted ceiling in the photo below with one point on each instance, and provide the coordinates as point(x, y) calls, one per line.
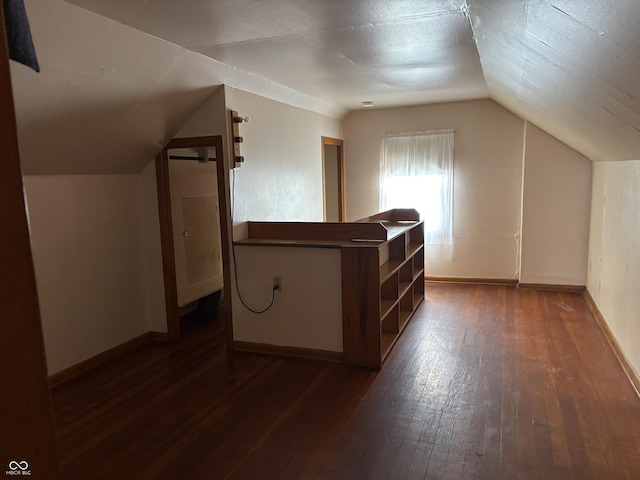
point(390, 52)
point(569, 66)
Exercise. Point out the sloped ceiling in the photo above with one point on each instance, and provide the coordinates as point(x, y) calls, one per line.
point(109, 97)
point(392, 52)
point(571, 67)
point(119, 77)
point(95, 110)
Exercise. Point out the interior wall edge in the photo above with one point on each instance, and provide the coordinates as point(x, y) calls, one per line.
point(101, 358)
point(625, 363)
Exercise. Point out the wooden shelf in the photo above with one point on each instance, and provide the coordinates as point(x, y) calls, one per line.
point(403, 287)
point(386, 342)
point(389, 268)
point(381, 265)
point(381, 293)
point(405, 315)
point(413, 248)
point(386, 304)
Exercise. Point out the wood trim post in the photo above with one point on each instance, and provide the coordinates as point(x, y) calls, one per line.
point(361, 307)
point(166, 240)
point(223, 167)
point(341, 182)
point(26, 424)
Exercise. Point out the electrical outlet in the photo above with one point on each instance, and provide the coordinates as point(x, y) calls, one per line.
point(277, 283)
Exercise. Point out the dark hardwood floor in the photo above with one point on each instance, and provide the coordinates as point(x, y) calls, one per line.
point(487, 382)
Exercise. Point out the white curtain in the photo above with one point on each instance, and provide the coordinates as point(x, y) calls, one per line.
point(416, 171)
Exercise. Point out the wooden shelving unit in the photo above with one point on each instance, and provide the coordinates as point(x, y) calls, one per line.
point(382, 274)
point(382, 286)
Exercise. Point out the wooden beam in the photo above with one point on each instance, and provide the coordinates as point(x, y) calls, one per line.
point(166, 240)
point(26, 426)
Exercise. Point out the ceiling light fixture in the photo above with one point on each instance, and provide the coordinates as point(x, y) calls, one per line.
point(367, 104)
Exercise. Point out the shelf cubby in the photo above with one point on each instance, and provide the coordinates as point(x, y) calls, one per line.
point(388, 268)
point(381, 288)
point(418, 291)
point(388, 294)
point(397, 249)
point(407, 308)
point(415, 238)
point(418, 263)
point(405, 276)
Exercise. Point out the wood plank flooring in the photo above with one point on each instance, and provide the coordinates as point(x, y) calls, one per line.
point(487, 382)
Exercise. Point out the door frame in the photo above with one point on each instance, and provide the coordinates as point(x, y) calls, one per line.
point(341, 203)
point(166, 230)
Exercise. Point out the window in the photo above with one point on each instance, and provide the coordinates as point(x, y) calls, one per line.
point(416, 171)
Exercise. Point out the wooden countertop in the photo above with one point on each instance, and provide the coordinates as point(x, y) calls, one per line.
point(323, 235)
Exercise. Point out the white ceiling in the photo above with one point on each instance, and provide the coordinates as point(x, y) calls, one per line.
point(389, 52)
point(569, 66)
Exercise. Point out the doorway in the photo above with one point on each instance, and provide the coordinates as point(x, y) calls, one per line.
point(333, 179)
point(176, 294)
point(196, 227)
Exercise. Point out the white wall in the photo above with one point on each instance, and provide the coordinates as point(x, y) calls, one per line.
point(114, 91)
point(104, 88)
point(307, 313)
point(100, 280)
point(209, 119)
point(614, 243)
point(88, 249)
point(487, 178)
point(280, 180)
point(96, 238)
point(555, 220)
